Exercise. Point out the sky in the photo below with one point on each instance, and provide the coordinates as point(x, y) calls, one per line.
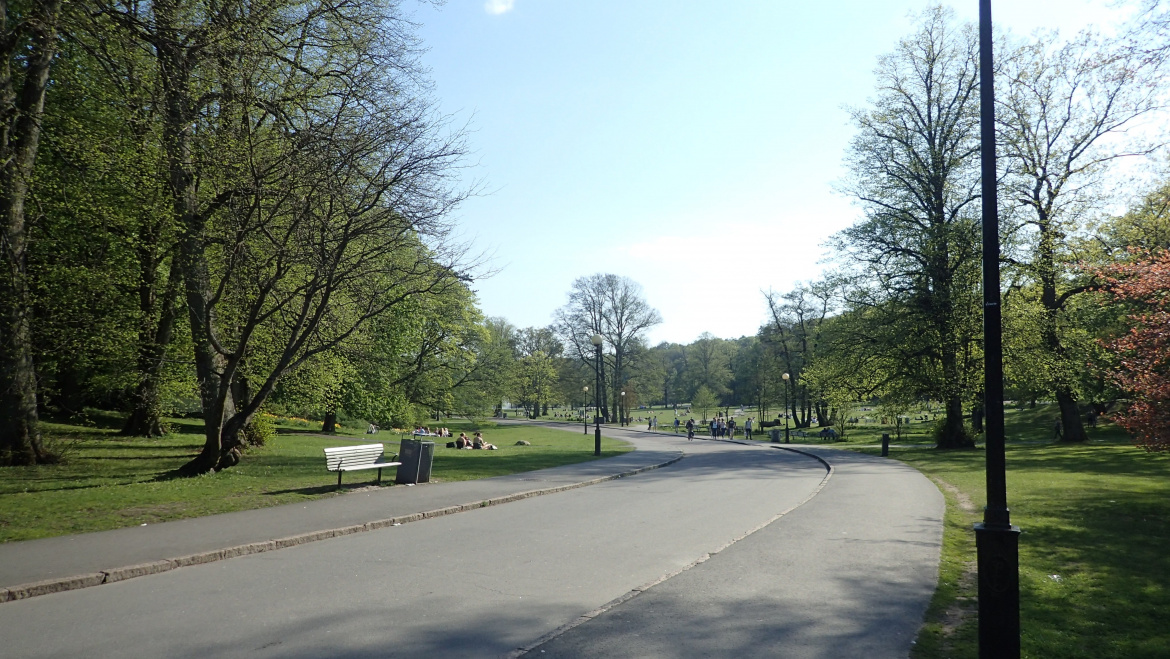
point(691, 146)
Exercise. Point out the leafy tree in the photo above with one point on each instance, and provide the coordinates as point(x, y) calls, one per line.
point(703, 401)
point(1143, 353)
point(28, 44)
point(914, 170)
point(1059, 119)
point(309, 178)
point(708, 365)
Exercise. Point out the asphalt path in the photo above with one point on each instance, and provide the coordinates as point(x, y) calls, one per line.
point(741, 559)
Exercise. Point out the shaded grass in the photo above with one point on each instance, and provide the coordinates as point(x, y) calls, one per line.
point(1094, 570)
point(107, 481)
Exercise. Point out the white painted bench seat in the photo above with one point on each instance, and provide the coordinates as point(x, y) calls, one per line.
point(354, 458)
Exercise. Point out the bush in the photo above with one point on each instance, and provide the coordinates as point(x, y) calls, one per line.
point(261, 429)
point(940, 424)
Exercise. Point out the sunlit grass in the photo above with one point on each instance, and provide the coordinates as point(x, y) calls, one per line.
point(1094, 570)
point(107, 481)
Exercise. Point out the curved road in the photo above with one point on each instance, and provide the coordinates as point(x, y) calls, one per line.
point(742, 561)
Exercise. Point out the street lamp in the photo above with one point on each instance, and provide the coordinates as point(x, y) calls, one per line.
point(996, 539)
point(596, 340)
point(787, 440)
point(622, 411)
point(585, 409)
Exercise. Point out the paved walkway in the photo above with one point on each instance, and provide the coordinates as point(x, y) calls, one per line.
point(72, 561)
point(825, 563)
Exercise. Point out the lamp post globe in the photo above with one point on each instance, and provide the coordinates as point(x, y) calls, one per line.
point(787, 439)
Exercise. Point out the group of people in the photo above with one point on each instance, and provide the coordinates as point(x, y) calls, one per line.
point(423, 430)
point(719, 427)
point(474, 443)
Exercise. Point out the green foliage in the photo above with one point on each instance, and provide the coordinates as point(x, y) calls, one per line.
point(260, 430)
point(703, 401)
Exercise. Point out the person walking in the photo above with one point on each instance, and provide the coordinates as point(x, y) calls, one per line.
point(691, 430)
point(676, 425)
point(714, 427)
point(731, 428)
point(747, 428)
point(1059, 431)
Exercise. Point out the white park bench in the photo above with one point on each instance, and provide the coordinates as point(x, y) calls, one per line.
point(354, 458)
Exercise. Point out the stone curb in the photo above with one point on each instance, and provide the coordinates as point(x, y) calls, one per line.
point(112, 575)
point(521, 651)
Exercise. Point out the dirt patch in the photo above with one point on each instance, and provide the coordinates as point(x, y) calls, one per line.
point(964, 501)
point(965, 608)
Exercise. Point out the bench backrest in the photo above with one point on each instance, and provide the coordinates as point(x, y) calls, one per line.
point(352, 456)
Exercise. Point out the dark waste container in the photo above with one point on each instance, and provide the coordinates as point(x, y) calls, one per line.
point(775, 434)
point(416, 456)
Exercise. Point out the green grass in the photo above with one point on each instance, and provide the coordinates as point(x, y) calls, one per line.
point(107, 481)
point(1094, 570)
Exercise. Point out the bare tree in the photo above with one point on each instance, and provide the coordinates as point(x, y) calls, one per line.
point(613, 307)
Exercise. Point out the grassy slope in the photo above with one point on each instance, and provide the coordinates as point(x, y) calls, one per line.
point(109, 481)
point(1094, 570)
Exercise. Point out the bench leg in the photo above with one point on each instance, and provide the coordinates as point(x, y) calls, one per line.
point(379, 475)
point(339, 479)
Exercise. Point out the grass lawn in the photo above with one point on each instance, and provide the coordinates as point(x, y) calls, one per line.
point(107, 481)
point(1094, 566)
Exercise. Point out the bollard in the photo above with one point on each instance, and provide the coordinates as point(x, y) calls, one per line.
point(885, 445)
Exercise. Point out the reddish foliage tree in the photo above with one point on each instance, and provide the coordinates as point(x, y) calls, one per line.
point(1143, 353)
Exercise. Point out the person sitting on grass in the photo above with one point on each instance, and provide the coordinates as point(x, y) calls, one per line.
point(463, 441)
point(480, 444)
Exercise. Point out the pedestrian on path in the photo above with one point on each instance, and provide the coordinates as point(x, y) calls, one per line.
point(747, 428)
point(676, 425)
point(691, 430)
point(1059, 431)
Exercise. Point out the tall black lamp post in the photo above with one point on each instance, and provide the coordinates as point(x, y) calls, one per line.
point(596, 340)
point(622, 411)
point(585, 409)
point(787, 439)
point(996, 539)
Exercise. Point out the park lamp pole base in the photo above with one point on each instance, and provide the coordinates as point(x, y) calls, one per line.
point(998, 550)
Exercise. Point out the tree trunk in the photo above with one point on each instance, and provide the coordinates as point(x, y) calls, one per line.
point(1070, 416)
point(145, 417)
point(20, 441)
point(178, 113)
point(954, 435)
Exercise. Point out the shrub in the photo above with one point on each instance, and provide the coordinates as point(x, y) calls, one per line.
point(259, 430)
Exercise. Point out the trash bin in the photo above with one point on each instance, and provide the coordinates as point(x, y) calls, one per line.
point(416, 456)
point(775, 434)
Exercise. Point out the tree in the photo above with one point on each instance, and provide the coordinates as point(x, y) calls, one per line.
point(703, 401)
point(326, 206)
point(1060, 118)
point(914, 170)
point(28, 43)
point(1143, 353)
point(613, 307)
point(708, 365)
point(794, 334)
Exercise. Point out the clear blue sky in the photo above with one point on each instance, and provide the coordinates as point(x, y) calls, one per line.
point(670, 141)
